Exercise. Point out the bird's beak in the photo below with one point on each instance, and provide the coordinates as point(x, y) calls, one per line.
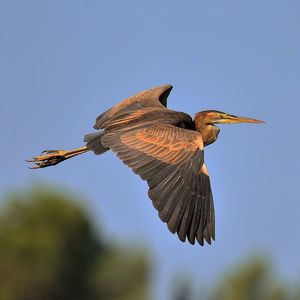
point(230, 119)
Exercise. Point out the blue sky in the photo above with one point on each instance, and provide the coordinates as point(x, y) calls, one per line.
point(64, 62)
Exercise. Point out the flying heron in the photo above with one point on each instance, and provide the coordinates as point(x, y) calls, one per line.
point(165, 148)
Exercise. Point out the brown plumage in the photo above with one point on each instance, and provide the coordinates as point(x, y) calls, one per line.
point(165, 148)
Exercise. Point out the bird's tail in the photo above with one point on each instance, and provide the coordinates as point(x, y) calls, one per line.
point(94, 143)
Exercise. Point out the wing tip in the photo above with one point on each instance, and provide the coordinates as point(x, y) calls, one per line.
point(165, 91)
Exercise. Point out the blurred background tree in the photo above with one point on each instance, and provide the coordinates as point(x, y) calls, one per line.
point(254, 280)
point(50, 250)
point(182, 289)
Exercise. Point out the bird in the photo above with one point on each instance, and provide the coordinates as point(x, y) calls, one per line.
point(165, 148)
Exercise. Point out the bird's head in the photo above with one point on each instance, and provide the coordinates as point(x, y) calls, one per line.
point(218, 117)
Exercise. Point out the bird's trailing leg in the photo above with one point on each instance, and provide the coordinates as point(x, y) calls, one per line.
point(53, 157)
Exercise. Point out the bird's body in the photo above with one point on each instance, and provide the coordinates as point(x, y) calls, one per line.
point(165, 148)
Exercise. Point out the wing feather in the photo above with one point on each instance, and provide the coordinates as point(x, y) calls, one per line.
point(155, 97)
point(170, 159)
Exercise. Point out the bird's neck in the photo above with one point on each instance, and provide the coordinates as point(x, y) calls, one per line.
point(209, 132)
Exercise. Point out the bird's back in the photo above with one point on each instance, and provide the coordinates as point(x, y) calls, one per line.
point(142, 109)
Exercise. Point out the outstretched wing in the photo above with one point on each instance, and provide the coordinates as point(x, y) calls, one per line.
point(155, 97)
point(171, 160)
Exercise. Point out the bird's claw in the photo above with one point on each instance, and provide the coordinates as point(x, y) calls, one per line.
point(47, 158)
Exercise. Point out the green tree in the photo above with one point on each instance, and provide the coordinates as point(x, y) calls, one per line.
point(122, 275)
point(49, 249)
point(251, 281)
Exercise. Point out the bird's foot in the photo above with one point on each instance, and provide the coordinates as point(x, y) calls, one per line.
point(53, 157)
point(48, 158)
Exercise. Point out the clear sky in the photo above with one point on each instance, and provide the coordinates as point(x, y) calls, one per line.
point(64, 62)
